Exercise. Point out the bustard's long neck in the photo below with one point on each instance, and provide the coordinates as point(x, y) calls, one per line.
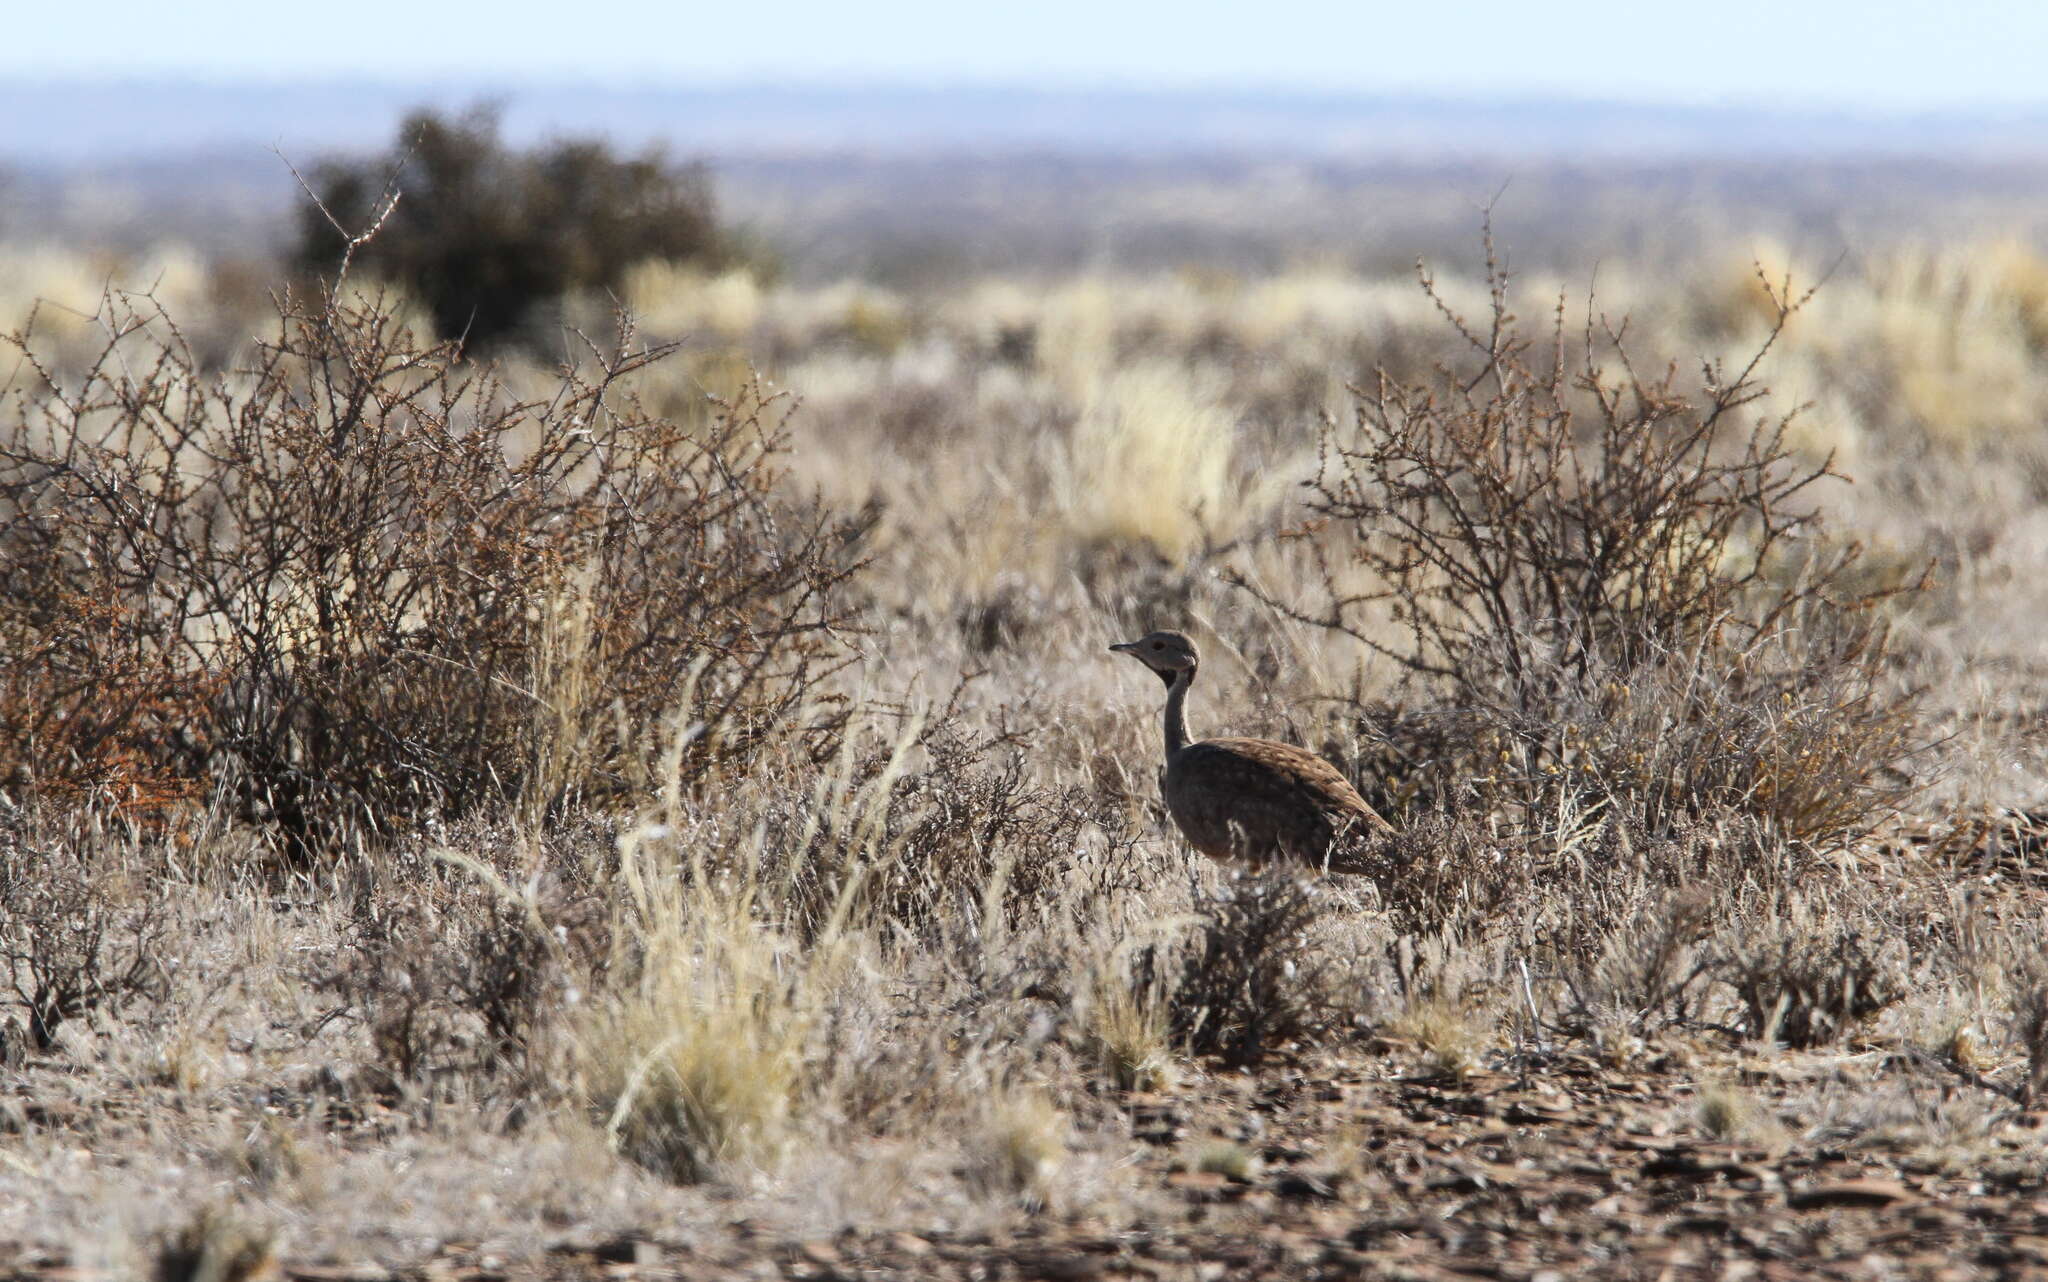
point(1176, 710)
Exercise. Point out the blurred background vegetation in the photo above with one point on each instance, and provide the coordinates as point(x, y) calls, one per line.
point(489, 233)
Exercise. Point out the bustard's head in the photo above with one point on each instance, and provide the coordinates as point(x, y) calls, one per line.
point(1167, 653)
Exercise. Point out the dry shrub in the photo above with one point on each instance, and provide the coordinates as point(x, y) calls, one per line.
point(1623, 588)
point(406, 592)
point(939, 826)
point(1799, 727)
point(77, 935)
point(95, 711)
point(1252, 978)
point(460, 979)
point(1811, 974)
point(1650, 931)
point(1444, 864)
point(1720, 925)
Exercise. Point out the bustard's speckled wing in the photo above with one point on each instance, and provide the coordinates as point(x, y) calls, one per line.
point(1256, 799)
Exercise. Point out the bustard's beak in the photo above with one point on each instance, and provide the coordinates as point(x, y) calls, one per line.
point(1124, 647)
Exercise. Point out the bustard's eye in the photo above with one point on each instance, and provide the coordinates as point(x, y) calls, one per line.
point(1159, 645)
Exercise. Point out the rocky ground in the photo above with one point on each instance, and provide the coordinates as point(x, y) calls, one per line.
point(1369, 1165)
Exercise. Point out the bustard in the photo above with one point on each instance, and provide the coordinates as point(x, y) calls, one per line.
point(1253, 800)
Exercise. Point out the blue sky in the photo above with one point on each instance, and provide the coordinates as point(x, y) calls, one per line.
point(1872, 55)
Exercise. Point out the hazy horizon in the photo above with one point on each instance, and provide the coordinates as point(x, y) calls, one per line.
point(855, 82)
point(130, 117)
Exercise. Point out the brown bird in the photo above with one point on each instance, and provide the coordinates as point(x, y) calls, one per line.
point(1253, 800)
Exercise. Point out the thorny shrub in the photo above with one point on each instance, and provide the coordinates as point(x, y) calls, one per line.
point(1622, 588)
point(460, 978)
point(942, 823)
point(1808, 982)
point(2030, 1022)
point(74, 937)
point(1250, 978)
point(359, 582)
point(95, 712)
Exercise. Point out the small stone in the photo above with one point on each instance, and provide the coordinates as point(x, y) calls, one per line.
point(909, 1244)
point(1196, 1180)
point(1858, 1192)
point(1307, 1186)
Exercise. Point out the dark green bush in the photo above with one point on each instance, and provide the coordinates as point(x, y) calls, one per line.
point(484, 233)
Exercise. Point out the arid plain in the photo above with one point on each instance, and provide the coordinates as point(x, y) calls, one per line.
point(657, 801)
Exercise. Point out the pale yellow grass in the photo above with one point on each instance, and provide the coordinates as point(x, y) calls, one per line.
point(1447, 1031)
point(697, 1066)
point(1022, 1146)
point(1954, 332)
point(1330, 307)
point(1077, 334)
point(64, 287)
point(1149, 462)
point(1128, 1026)
point(672, 298)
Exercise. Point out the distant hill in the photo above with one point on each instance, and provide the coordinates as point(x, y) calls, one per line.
point(70, 122)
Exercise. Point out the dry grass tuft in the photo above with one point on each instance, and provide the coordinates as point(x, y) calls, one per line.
point(1021, 1151)
point(697, 1061)
point(1150, 463)
point(1443, 1028)
point(1230, 1160)
point(1132, 1034)
point(1728, 1113)
point(218, 1246)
